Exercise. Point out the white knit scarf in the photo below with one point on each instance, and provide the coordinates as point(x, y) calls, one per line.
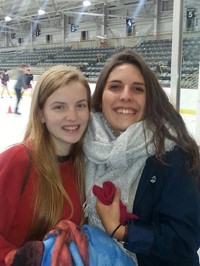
point(120, 160)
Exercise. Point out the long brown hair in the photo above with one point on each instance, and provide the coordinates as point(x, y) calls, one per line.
point(50, 193)
point(158, 109)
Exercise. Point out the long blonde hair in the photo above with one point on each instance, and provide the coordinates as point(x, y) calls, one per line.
point(50, 193)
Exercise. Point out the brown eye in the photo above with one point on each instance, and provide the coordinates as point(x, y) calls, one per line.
point(114, 87)
point(82, 105)
point(59, 107)
point(139, 89)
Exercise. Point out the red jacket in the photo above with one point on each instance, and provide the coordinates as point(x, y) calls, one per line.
point(16, 210)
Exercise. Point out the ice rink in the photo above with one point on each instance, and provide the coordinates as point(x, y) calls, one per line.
point(12, 126)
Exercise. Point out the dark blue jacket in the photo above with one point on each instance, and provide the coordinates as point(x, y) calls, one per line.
point(168, 205)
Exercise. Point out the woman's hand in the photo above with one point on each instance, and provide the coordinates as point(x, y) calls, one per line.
point(110, 215)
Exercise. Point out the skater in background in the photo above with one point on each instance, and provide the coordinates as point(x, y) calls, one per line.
point(4, 83)
point(21, 76)
point(28, 79)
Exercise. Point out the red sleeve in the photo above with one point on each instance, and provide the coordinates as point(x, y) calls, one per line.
point(13, 165)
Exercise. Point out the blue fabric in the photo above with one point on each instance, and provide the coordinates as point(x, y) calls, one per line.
point(103, 250)
point(48, 249)
point(75, 254)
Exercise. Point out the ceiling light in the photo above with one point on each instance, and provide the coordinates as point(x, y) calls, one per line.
point(101, 37)
point(7, 18)
point(41, 12)
point(86, 3)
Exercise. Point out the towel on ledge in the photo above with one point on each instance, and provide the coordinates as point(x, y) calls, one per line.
point(106, 195)
point(70, 245)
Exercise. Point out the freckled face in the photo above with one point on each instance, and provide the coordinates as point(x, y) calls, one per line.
point(66, 115)
point(124, 97)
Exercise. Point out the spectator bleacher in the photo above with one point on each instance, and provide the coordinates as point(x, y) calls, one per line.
point(90, 61)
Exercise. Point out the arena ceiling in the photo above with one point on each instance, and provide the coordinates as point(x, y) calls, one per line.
point(22, 12)
point(28, 9)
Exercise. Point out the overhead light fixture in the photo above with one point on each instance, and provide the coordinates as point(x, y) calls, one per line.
point(41, 12)
point(7, 18)
point(101, 37)
point(86, 3)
